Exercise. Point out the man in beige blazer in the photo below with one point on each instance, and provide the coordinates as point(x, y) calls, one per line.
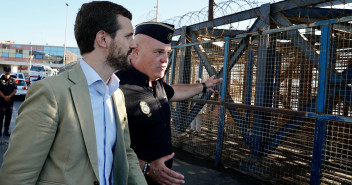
point(54, 140)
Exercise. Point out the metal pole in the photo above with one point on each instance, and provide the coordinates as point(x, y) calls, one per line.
point(200, 71)
point(220, 139)
point(157, 10)
point(65, 35)
point(172, 67)
point(211, 10)
point(320, 123)
point(30, 61)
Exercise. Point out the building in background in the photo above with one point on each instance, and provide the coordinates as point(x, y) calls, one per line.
point(20, 56)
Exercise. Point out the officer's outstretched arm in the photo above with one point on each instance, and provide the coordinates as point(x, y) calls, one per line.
point(185, 91)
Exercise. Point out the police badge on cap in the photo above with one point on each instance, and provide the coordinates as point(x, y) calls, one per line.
point(160, 31)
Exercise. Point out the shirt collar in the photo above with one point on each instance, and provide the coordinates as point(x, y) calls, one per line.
point(92, 76)
point(113, 83)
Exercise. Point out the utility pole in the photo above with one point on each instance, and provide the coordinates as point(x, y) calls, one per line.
point(211, 10)
point(157, 10)
point(65, 35)
point(30, 61)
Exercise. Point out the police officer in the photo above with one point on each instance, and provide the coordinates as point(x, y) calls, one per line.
point(147, 101)
point(8, 89)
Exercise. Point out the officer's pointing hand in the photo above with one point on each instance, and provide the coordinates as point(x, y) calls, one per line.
point(211, 82)
point(162, 174)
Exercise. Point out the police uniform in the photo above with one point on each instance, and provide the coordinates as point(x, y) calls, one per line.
point(148, 107)
point(148, 114)
point(7, 86)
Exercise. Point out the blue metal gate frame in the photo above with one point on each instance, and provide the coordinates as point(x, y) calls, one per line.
point(316, 109)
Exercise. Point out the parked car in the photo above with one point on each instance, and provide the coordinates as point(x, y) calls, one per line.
point(22, 88)
point(18, 76)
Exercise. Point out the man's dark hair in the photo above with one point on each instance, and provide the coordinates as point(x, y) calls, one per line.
point(95, 16)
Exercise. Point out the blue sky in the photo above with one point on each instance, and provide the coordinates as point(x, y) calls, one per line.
point(43, 22)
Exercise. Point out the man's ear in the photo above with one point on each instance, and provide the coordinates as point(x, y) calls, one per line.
point(101, 38)
point(135, 51)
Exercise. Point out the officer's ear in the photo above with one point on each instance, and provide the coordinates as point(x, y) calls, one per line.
point(135, 51)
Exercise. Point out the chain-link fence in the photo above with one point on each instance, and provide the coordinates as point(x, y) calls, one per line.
point(283, 111)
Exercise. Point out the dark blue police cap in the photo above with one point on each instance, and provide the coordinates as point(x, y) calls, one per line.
point(7, 69)
point(160, 31)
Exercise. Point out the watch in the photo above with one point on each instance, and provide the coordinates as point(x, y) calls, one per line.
point(204, 87)
point(146, 167)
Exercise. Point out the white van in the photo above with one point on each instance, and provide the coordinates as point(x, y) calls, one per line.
point(39, 70)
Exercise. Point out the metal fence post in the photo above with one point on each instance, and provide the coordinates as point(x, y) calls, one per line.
point(248, 93)
point(200, 70)
point(172, 67)
point(320, 123)
point(183, 78)
point(219, 141)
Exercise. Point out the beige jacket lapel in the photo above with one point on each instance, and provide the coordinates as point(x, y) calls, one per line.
point(81, 100)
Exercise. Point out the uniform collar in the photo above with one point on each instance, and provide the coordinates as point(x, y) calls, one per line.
point(141, 77)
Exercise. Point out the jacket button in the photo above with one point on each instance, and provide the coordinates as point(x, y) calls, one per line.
point(96, 183)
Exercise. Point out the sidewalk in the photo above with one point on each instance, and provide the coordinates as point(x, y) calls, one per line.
point(197, 171)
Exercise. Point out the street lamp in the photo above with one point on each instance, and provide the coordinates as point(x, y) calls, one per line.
point(65, 34)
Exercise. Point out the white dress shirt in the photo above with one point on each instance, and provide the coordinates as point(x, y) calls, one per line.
point(104, 119)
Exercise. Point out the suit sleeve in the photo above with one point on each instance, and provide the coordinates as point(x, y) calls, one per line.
point(135, 175)
point(32, 137)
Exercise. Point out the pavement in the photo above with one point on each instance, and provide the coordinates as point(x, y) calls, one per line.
point(197, 171)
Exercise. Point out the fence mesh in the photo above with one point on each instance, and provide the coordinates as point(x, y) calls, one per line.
point(270, 87)
point(337, 165)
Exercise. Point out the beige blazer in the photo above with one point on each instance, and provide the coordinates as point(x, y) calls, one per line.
point(54, 138)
